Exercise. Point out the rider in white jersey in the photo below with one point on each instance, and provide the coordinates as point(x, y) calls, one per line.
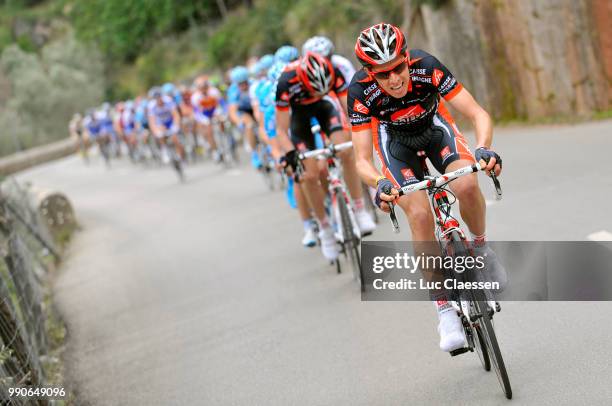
point(205, 102)
point(164, 121)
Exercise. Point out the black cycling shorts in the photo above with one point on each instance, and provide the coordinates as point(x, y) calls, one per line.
point(441, 142)
point(328, 113)
point(247, 110)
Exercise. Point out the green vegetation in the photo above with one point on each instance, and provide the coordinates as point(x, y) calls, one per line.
point(603, 115)
point(47, 87)
point(123, 29)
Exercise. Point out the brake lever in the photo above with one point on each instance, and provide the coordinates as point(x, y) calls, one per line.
point(392, 215)
point(498, 189)
point(394, 222)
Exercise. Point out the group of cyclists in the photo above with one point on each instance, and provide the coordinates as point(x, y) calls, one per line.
point(156, 119)
point(395, 104)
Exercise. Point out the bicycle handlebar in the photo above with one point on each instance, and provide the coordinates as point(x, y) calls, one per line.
point(326, 152)
point(439, 181)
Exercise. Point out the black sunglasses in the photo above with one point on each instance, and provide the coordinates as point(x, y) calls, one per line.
point(384, 75)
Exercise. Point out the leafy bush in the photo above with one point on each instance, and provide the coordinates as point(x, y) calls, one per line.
point(66, 78)
point(123, 29)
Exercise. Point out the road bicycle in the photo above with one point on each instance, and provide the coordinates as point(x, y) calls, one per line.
point(171, 146)
point(475, 307)
point(342, 215)
point(226, 143)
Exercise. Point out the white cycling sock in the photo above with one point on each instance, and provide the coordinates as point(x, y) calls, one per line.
point(324, 223)
point(479, 240)
point(441, 303)
point(359, 204)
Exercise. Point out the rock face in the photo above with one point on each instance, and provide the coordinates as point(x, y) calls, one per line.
point(521, 58)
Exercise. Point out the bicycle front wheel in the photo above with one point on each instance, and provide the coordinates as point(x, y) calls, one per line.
point(481, 347)
point(350, 241)
point(490, 340)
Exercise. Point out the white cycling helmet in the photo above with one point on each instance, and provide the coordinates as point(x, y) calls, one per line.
point(380, 44)
point(320, 45)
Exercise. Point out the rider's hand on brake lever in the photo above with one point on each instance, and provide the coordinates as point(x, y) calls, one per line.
point(385, 192)
point(489, 160)
point(289, 162)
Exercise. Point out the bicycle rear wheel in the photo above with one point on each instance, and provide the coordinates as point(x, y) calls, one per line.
point(105, 151)
point(351, 242)
point(490, 340)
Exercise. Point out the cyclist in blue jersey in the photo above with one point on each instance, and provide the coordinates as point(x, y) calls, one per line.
point(241, 111)
point(256, 89)
point(94, 126)
point(164, 121)
point(141, 118)
point(173, 92)
point(105, 117)
point(127, 123)
point(286, 54)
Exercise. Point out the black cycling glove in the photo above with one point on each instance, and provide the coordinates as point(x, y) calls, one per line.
point(290, 160)
point(486, 154)
point(383, 185)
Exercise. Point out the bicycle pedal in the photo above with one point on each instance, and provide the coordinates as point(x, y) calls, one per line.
point(459, 351)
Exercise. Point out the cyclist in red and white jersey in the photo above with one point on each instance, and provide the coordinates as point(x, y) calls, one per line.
point(205, 103)
point(397, 105)
point(312, 87)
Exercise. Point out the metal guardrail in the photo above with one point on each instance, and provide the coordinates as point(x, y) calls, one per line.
point(29, 230)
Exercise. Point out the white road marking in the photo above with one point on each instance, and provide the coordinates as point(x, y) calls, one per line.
point(602, 235)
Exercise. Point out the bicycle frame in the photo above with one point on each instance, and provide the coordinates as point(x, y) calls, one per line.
point(337, 188)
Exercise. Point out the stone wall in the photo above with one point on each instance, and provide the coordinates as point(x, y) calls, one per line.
point(522, 58)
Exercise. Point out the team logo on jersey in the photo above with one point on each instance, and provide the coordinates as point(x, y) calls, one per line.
point(436, 77)
point(359, 107)
point(445, 153)
point(407, 114)
point(407, 173)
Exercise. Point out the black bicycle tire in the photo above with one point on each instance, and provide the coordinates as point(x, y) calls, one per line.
point(479, 343)
point(351, 246)
point(490, 337)
point(104, 150)
point(177, 164)
point(481, 348)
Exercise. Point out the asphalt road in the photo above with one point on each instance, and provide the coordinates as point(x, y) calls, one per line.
point(201, 294)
